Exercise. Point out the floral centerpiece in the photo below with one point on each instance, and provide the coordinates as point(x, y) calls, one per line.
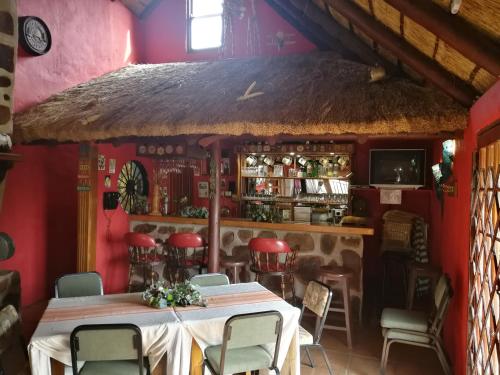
point(182, 294)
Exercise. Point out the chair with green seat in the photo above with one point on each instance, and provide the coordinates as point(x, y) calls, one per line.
point(79, 285)
point(242, 348)
point(317, 299)
point(417, 328)
point(210, 279)
point(107, 349)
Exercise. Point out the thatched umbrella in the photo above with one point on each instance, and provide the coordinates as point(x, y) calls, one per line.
point(311, 94)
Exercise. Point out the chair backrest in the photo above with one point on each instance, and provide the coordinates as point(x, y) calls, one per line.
point(271, 255)
point(255, 329)
point(210, 279)
point(79, 285)
point(317, 298)
point(186, 240)
point(13, 355)
point(106, 342)
point(442, 297)
point(134, 239)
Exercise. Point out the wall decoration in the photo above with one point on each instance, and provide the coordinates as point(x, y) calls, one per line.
point(162, 150)
point(34, 35)
point(101, 163)
point(133, 187)
point(112, 166)
point(203, 189)
point(390, 196)
point(107, 181)
point(225, 168)
point(8, 51)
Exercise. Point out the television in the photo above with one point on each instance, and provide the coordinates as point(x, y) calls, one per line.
point(397, 168)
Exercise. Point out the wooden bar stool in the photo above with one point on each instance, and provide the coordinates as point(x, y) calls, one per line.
point(272, 257)
point(341, 275)
point(185, 251)
point(415, 271)
point(143, 254)
point(233, 267)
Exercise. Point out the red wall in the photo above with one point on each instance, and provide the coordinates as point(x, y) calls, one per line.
point(163, 34)
point(451, 230)
point(90, 37)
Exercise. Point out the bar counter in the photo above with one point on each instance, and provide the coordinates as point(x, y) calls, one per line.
point(317, 244)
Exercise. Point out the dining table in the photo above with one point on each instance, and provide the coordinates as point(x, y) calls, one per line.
point(173, 338)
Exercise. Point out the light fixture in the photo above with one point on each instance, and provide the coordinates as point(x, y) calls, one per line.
point(455, 6)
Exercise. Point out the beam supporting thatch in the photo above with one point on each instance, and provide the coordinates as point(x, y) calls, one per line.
point(310, 18)
point(408, 54)
point(455, 31)
point(315, 94)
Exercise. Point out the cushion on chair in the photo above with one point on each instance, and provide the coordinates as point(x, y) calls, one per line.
point(111, 368)
point(239, 360)
point(395, 335)
point(305, 338)
point(404, 319)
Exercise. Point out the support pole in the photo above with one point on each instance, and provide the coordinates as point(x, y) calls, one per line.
point(214, 213)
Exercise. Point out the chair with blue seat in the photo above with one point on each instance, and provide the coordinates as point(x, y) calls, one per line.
point(210, 279)
point(242, 348)
point(418, 328)
point(107, 349)
point(79, 285)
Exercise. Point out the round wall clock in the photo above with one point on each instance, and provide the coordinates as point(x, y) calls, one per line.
point(34, 35)
point(132, 183)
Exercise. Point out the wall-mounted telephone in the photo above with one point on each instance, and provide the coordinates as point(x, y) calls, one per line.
point(110, 200)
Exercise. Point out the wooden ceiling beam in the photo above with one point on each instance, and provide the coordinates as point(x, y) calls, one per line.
point(455, 31)
point(423, 65)
point(308, 17)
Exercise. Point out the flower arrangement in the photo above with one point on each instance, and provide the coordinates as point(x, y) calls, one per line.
point(182, 294)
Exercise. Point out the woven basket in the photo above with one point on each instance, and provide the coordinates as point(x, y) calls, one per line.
point(396, 235)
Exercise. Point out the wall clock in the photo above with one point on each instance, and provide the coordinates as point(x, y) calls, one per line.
point(132, 183)
point(34, 35)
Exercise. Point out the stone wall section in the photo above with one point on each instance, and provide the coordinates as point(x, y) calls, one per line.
point(314, 249)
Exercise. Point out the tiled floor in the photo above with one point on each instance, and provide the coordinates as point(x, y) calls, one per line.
point(364, 358)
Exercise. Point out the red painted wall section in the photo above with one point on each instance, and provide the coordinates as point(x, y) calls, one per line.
point(451, 230)
point(111, 251)
point(89, 38)
point(163, 35)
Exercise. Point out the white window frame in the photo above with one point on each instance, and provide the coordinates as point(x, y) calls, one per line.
point(189, 29)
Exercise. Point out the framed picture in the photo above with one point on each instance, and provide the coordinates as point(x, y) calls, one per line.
point(278, 170)
point(101, 163)
point(390, 196)
point(225, 166)
point(203, 189)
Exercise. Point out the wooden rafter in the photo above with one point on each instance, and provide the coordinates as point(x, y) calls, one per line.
point(411, 56)
point(455, 31)
point(309, 17)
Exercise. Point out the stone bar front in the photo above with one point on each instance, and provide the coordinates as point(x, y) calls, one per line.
point(318, 244)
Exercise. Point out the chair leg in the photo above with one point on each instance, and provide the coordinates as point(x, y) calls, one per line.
point(294, 297)
point(311, 362)
point(442, 358)
point(276, 371)
point(382, 357)
point(325, 357)
point(283, 287)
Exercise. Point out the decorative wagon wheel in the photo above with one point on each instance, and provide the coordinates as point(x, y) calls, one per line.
point(132, 183)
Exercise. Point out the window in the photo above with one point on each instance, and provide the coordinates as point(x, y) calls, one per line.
point(205, 24)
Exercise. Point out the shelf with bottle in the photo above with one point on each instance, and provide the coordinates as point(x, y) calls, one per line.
point(346, 177)
point(321, 199)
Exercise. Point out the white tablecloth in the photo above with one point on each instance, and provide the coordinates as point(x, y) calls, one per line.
point(161, 330)
point(206, 325)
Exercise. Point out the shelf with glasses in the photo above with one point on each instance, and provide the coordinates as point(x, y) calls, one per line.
point(346, 177)
point(320, 200)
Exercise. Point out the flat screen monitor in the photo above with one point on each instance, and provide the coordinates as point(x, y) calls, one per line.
point(397, 168)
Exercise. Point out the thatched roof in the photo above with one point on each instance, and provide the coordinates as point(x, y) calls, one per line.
point(311, 94)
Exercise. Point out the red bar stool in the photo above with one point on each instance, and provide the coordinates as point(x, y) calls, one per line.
point(271, 257)
point(185, 251)
point(341, 275)
point(144, 254)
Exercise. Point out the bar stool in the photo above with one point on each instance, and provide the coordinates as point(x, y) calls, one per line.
point(184, 254)
point(341, 275)
point(419, 270)
point(272, 257)
point(143, 254)
point(233, 267)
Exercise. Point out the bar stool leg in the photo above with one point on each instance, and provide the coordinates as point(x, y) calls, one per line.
point(236, 275)
point(347, 310)
point(283, 286)
point(130, 273)
point(294, 297)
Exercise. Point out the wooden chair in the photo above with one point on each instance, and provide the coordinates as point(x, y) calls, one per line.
point(272, 257)
point(80, 284)
point(186, 251)
point(144, 255)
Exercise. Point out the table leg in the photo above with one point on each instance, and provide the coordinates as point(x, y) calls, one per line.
point(56, 367)
point(196, 359)
point(290, 364)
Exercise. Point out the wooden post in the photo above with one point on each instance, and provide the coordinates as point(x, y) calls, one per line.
point(87, 208)
point(214, 213)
